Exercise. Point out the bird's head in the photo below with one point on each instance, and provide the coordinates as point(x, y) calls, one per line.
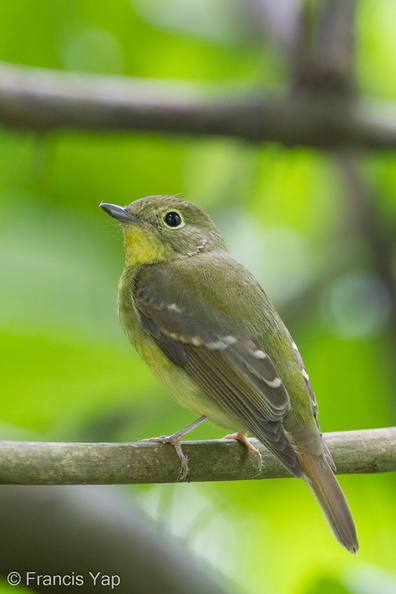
point(162, 228)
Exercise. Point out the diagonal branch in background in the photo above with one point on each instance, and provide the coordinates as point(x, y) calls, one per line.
point(335, 43)
point(323, 56)
point(40, 463)
point(367, 222)
point(41, 100)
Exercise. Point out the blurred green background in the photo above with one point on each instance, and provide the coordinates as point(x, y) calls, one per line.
point(67, 371)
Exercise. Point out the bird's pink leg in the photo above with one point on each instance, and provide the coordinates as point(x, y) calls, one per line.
point(175, 440)
point(243, 439)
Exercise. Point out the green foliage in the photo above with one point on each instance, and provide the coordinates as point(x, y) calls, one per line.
point(68, 372)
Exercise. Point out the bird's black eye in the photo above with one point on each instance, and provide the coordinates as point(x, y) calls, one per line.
point(173, 219)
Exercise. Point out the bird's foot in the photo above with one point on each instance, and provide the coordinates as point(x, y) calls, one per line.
point(254, 451)
point(175, 441)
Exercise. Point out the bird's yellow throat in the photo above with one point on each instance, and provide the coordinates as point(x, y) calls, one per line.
point(142, 247)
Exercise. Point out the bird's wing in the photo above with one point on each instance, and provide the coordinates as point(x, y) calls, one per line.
point(314, 404)
point(216, 351)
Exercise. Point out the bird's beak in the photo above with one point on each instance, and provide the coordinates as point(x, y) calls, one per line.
point(118, 212)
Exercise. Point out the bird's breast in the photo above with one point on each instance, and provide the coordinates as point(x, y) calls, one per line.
point(174, 379)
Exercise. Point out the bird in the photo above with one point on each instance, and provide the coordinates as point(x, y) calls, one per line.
point(210, 335)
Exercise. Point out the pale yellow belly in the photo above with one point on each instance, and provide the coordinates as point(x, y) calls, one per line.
point(183, 389)
point(174, 379)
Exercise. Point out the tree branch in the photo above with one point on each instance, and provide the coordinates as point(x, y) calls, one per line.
point(334, 53)
point(323, 56)
point(42, 100)
point(378, 231)
point(39, 463)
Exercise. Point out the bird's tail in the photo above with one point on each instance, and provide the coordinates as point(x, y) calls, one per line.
point(320, 478)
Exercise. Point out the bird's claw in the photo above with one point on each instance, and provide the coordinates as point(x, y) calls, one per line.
point(176, 443)
point(254, 451)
